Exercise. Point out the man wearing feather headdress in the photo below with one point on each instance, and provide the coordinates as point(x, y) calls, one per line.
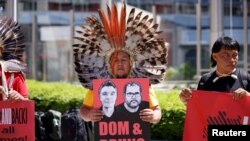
point(116, 48)
point(12, 46)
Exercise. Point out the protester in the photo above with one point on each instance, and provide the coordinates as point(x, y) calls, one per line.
point(120, 49)
point(12, 66)
point(226, 77)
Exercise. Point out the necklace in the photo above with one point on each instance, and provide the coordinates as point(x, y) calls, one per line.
point(220, 75)
point(223, 74)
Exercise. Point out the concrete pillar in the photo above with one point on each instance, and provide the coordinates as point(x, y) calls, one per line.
point(216, 20)
point(245, 30)
point(11, 8)
point(198, 39)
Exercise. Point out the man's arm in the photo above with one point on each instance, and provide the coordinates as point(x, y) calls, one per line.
point(14, 95)
point(240, 93)
point(88, 114)
point(185, 95)
point(156, 115)
point(151, 115)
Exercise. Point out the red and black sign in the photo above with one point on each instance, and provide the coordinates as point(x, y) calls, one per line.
point(17, 121)
point(225, 117)
point(124, 123)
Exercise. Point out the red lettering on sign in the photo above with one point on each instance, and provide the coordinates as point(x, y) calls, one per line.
point(114, 128)
point(123, 128)
point(103, 128)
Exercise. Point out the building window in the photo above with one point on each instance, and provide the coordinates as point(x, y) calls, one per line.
point(25, 5)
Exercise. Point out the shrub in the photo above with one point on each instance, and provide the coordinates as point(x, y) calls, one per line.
point(59, 96)
point(173, 113)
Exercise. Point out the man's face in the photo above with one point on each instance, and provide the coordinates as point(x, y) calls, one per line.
point(108, 95)
point(226, 60)
point(120, 64)
point(133, 96)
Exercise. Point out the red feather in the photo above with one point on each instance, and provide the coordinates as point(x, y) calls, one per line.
point(122, 26)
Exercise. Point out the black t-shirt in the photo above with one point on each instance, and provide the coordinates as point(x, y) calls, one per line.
point(222, 84)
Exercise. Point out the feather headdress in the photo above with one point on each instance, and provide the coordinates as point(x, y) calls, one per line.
point(137, 36)
point(11, 45)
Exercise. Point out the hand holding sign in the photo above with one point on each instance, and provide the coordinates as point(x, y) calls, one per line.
point(14, 95)
point(95, 115)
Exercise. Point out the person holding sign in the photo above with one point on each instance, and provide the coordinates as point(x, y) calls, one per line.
point(89, 114)
point(108, 96)
point(226, 77)
point(12, 65)
point(119, 48)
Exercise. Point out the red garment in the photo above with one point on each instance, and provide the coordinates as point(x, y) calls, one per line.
point(18, 83)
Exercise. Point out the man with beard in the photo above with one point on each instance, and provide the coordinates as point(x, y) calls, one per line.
point(133, 98)
point(131, 107)
point(133, 102)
